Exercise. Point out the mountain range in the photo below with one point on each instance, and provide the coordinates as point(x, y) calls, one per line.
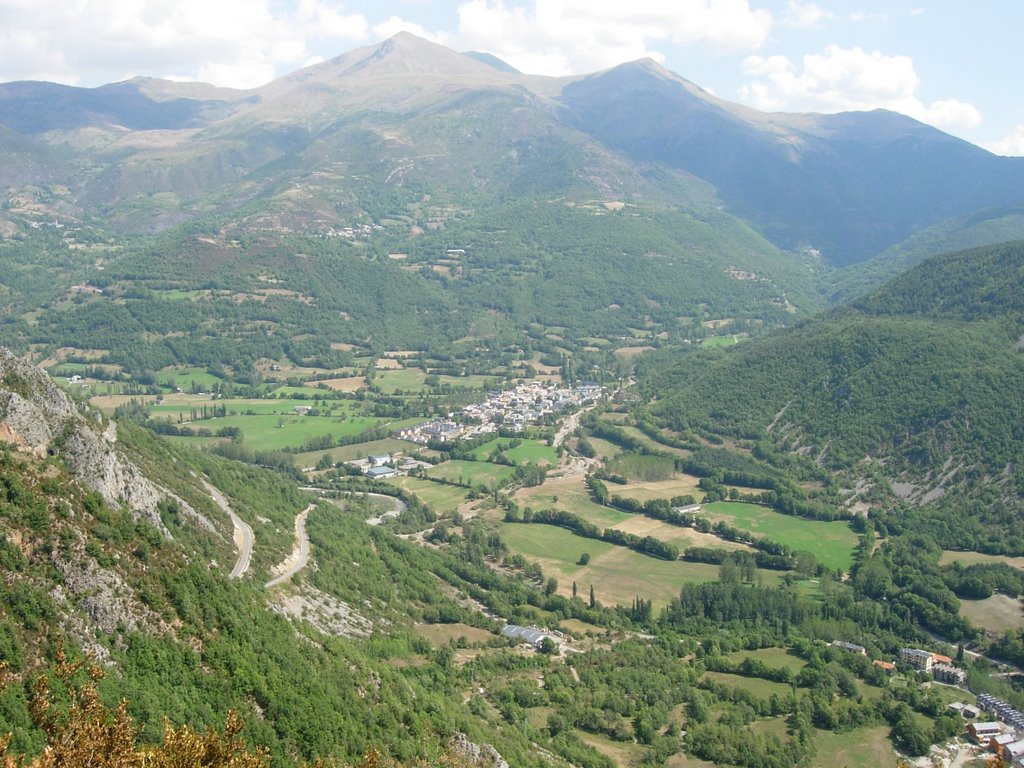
point(318, 148)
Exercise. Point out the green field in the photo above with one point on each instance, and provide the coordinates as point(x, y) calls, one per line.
point(183, 378)
point(720, 341)
point(442, 499)
point(537, 451)
point(776, 658)
point(270, 432)
point(471, 472)
point(860, 748)
point(760, 688)
point(618, 574)
point(406, 379)
point(832, 543)
point(357, 451)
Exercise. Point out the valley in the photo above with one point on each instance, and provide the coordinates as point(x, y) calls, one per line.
point(308, 393)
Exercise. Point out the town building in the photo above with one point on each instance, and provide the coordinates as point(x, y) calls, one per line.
point(947, 673)
point(982, 733)
point(916, 658)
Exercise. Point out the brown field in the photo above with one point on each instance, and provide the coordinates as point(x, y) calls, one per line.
point(970, 558)
point(577, 627)
point(342, 346)
point(107, 403)
point(442, 634)
point(678, 485)
point(684, 537)
point(621, 753)
point(388, 363)
point(996, 614)
point(682, 760)
point(63, 353)
point(631, 352)
point(349, 384)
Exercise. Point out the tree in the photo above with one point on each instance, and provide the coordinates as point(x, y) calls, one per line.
point(584, 559)
point(548, 646)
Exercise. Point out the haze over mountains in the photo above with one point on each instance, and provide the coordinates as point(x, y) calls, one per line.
point(306, 152)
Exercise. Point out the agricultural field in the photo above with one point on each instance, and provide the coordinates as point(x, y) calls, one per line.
point(861, 748)
point(832, 543)
point(471, 472)
point(442, 634)
point(605, 449)
point(998, 613)
point(571, 495)
point(640, 525)
point(678, 485)
point(971, 558)
point(356, 451)
point(537, 451)
point(618, 574)
point(442, 499)
point(757, 686)
point(405, 379)
point(776, 658)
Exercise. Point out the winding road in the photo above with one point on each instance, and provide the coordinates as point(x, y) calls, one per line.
point(243, 535)
point(297, 560)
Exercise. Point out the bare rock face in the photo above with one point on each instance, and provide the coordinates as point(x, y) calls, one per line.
point(480, 756)
point(36, 416)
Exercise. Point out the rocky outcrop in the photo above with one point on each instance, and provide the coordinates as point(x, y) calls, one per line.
point(36, 416)
point(479, 756)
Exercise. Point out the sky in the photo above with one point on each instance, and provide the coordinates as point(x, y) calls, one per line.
point(949, 63)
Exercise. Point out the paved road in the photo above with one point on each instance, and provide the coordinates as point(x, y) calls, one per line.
point(243, 536)
point(297, 560)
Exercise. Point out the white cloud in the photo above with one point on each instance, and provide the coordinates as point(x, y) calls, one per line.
point(557, 37)
point(1012, 145)
point(842, 79)
point(804, 14)
point(240, 43)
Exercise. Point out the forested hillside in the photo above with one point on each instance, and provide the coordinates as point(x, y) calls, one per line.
point(917, 386)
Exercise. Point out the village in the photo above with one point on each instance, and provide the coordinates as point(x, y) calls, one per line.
point(514, 409)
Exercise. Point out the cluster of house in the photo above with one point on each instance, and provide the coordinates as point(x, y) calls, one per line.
point(513, 409)
point(350, 232)
point(383, 465)
point(941, 667)
point(1002, 736)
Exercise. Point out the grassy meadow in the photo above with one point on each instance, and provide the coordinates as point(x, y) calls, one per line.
point(832, 543)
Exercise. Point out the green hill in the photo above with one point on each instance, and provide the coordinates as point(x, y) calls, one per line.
point(916, 386)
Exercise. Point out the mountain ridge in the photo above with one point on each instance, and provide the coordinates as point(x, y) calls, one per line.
point(849, 185)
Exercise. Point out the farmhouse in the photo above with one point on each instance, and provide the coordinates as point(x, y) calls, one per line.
point(530, 635)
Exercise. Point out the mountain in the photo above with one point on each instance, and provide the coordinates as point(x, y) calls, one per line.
point(848, 185)
point(912, 394)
